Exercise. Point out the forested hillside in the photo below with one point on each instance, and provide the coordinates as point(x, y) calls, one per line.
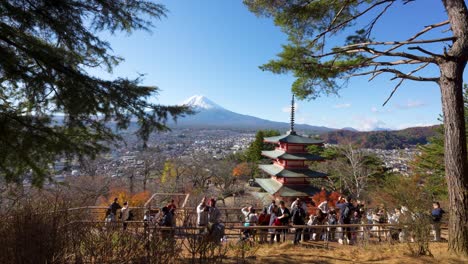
point(382, 139)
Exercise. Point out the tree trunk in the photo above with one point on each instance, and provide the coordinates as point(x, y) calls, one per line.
point(451, 86)
point(456, 167)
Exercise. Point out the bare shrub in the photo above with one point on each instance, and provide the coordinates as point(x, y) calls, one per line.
point(415, 221)
point(31, 231)
point(202, 248)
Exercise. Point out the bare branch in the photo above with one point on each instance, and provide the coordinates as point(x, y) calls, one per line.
point(402, 80)
point(426, 52)
point(378, 53)
point(374, 21)
point(392, 63)
point(400, 42)
point(398, 74)
point(426, 29)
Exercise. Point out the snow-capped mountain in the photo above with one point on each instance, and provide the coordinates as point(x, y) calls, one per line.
point(201, 102)
point(208, 114)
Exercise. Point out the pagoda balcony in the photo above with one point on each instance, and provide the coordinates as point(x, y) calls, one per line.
point(278, 154)
point(281, 172)
point(290, 164)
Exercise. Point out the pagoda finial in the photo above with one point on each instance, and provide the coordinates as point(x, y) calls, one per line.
point(292, 116)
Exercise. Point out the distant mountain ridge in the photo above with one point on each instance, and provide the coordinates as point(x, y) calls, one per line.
point(382, 139)
point(211, 115)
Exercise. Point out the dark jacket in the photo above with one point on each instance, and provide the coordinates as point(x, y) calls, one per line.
point(166, 219)
point(346, 211)
point(114, 207)
point(298, 215)
point(287, 213)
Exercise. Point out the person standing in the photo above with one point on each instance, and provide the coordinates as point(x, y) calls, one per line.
point(437, 214)
point(166, 221)
point(283, 216)
point(323, 206)
point(263, 220)
point(303, 204)
point(125, 214)
point(215, 227)
point(250, 220)
point(113, 209)
point(202, 215)
point(271, 206)
point(214, 215)
point(298, 216)
point(274, 221)
point(172, 207)
point(346, 212)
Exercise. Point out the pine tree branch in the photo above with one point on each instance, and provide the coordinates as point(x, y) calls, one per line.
point(342, 24)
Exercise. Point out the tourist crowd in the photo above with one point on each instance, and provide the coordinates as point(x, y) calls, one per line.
point(323, 223)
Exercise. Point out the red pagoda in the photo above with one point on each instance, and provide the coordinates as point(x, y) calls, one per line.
point(289, 175)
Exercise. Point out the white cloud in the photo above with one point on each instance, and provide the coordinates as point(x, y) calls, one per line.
point(338, 106)
point(368, 123)
point(411, 104)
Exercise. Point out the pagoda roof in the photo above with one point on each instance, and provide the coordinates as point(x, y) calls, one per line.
point(292, 137)
point(272, 186)
point(281, 154)
point(276, 170)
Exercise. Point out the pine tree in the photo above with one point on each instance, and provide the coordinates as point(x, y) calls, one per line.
point(254, 152)
point(50, 106)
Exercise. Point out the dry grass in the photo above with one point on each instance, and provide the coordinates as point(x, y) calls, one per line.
point(287, 253)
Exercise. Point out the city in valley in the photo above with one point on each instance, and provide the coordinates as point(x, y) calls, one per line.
point(211, 143)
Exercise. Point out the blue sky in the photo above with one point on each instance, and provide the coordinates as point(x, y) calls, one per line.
point(214, 48)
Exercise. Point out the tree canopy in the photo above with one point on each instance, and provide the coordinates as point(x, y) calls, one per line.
point(50, 105)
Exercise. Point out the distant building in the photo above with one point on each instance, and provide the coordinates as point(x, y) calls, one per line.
point(289, 175)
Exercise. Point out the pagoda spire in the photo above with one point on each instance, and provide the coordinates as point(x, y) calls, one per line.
point(292, 116)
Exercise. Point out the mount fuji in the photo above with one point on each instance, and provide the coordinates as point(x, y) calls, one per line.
point(208, 114)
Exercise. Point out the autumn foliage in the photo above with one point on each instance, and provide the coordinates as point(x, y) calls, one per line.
point(242, 169)
point(323, 195)
point(135, 200)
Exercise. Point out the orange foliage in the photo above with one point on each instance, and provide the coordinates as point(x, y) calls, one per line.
point(323, 195)
point(139, 199)
point(333, 199)
point(320, 197)
point(242, 169)
point(135, 200)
